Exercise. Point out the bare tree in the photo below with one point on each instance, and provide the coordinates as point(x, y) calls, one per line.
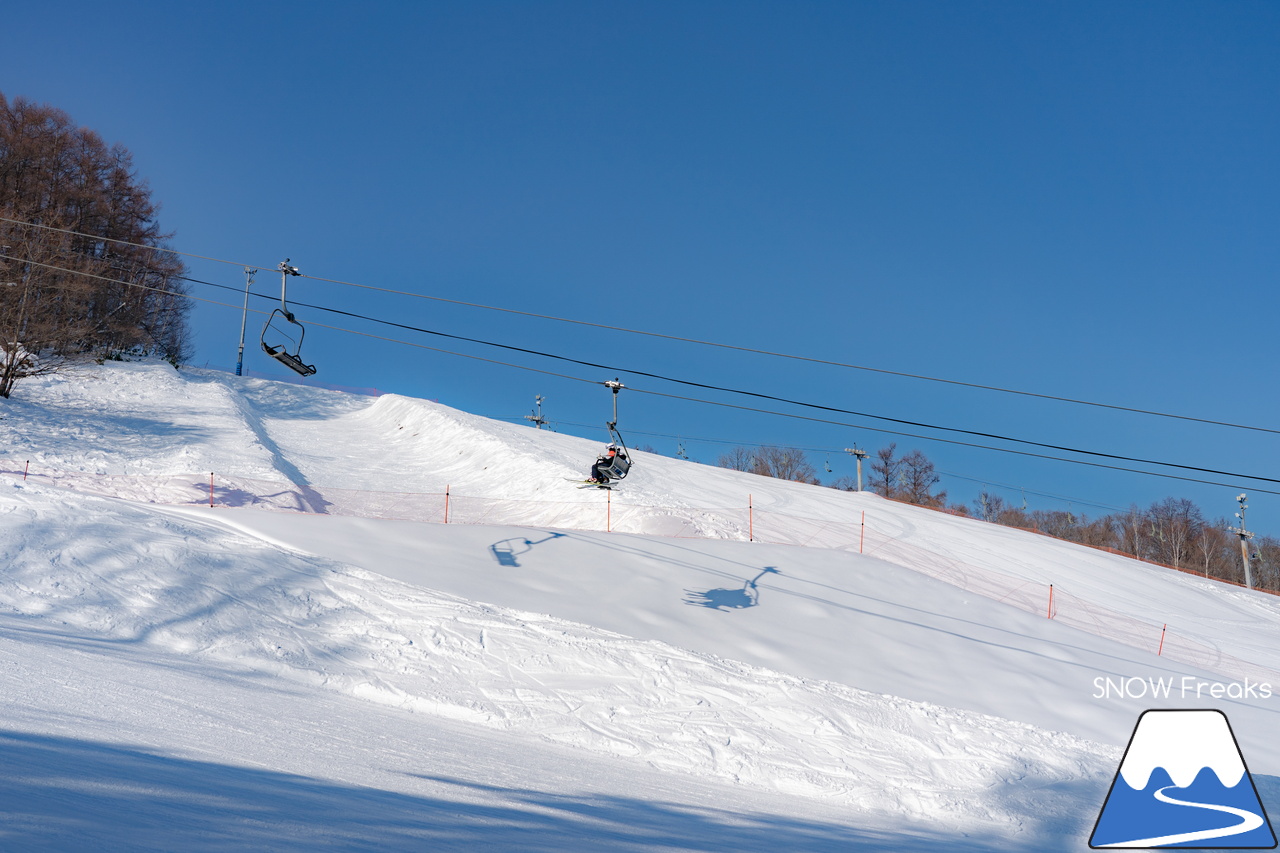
point(1174, 525)
point(989, 506)
point(918, 479)
point(1172, 531)
point(1267, 575)
point(738, 459)
point(845, 483)
point(83, 271)
point(1215, 552)
point(1129, 530)
point(886, 473)
point(1056, 522)
point(784, 463)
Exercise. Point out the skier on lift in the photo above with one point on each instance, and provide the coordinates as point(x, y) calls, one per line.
point(614, 463)
point(606, 464)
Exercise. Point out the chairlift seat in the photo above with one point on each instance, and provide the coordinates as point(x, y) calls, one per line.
point(617, 468)
point(280, 352)
point(289, 360)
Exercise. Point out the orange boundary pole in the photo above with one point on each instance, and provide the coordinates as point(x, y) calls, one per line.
point(862, 535)
point(1160, 650)
point(446, 504)
point(1050, 616)
point(211, 490)
point(751, 521)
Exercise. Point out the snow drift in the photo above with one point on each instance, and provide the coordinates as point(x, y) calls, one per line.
point(815, 672)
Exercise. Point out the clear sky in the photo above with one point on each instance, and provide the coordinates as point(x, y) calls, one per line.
point(1068, 198)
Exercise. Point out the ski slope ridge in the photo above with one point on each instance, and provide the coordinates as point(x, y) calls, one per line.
point(126, 574)
point(812, 672)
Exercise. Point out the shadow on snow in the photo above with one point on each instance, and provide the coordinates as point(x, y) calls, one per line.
point(67, 794)
point(748, 595)
point(506, 551)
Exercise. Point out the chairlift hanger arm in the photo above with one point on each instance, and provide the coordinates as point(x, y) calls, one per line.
point(615, 386)
point(285, 272)
point(620, 469)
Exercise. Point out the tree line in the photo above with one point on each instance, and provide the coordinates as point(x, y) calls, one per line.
point(66, 295)
point(1172, 532)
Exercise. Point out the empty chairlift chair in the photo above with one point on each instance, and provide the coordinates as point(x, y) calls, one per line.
point(280, 332)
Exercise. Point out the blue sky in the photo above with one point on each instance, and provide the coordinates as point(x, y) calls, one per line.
point(1075, 199)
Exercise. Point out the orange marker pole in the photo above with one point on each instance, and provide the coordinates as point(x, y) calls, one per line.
point(1162, 630)
point(211, 490)
point(862, 535)
point(1050, 616)
point(751, 521)
point(446, 504)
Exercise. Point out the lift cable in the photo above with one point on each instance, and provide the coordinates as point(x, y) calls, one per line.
point(785, 400)
point(701, 440)
point(804, 358)
point(712, 402)
point(164, 249)
point(159, 290)
point(962, 443)
point(809, 359)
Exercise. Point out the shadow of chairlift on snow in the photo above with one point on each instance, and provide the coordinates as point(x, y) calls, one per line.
point(300, 498)
point(730, 599)
point(507, 550)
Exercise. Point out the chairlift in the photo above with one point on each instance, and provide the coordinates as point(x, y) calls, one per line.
point(278, 326)
point(617, 467)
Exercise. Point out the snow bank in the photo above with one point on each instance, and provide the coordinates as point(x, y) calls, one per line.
point(130, 575)
point(890, 686)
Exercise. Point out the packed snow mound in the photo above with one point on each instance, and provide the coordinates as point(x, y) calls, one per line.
point(883, 665)
point(130, 575)
point(146, 418)
point(131, 419)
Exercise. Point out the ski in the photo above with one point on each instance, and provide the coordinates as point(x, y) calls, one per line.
point(587, 484)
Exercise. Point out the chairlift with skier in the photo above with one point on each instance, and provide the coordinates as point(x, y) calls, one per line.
point(614, 464)
point(279, 325)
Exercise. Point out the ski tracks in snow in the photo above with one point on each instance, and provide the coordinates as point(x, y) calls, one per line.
point(200, 590)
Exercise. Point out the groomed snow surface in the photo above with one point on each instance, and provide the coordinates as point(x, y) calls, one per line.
point(180, 677)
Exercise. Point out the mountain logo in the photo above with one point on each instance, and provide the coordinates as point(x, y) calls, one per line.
point(1183, 782)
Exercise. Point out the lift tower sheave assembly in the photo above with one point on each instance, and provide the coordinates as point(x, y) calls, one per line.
point(1245, 536)
point(858, 454)
point(538, 420)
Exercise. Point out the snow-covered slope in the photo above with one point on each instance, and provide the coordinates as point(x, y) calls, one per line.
point(828, 677)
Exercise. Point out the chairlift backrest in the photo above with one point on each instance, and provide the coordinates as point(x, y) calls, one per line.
point(280, 352)
point(616, 468)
